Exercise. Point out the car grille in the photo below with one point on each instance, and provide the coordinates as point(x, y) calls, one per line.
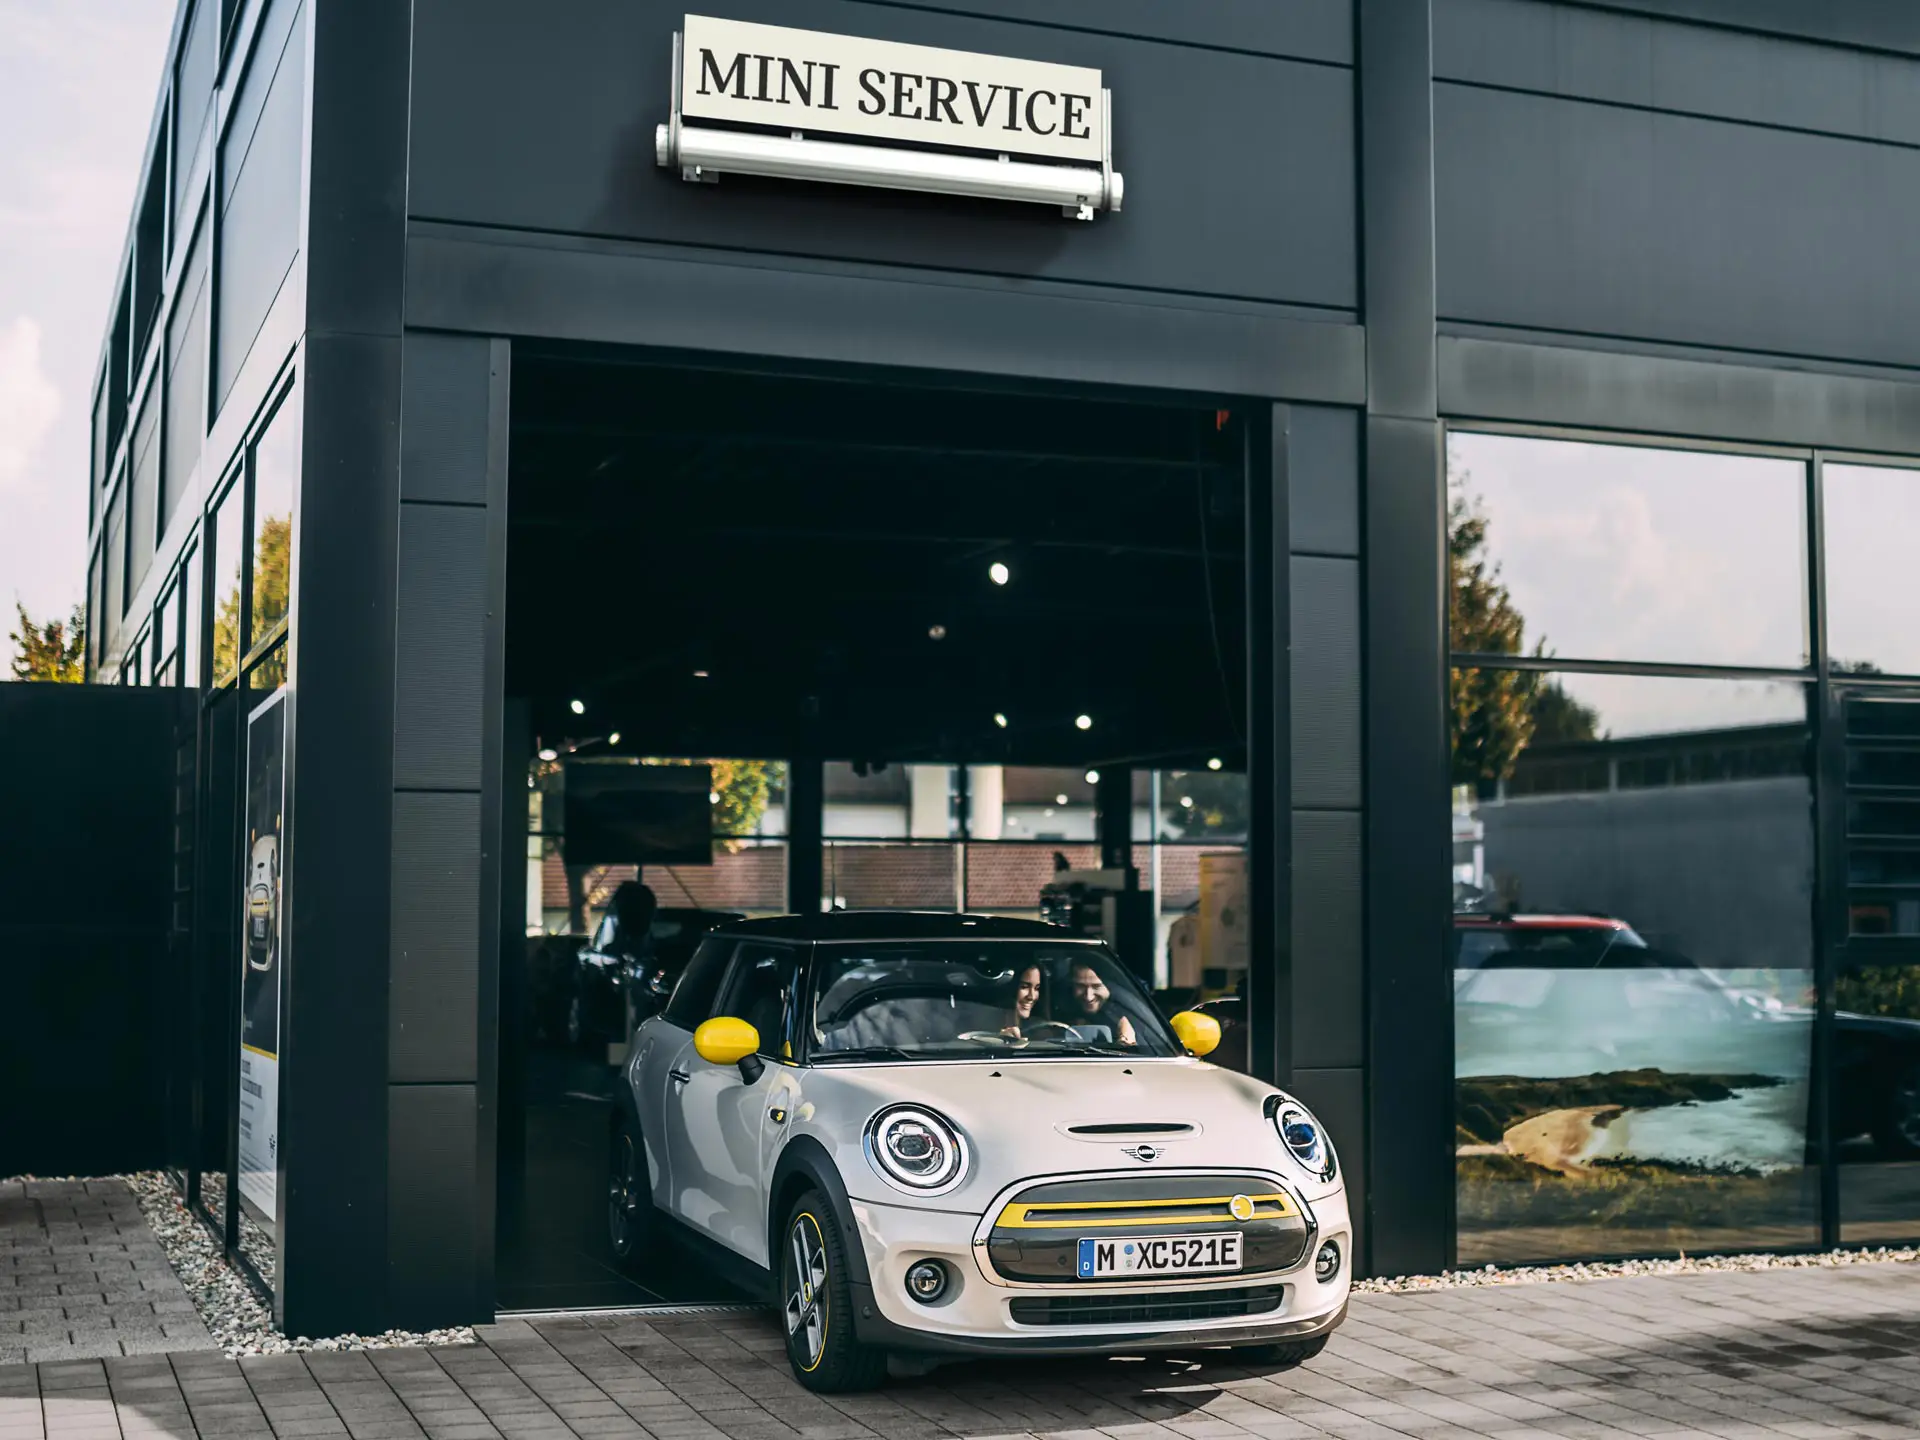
point(1162, 1308)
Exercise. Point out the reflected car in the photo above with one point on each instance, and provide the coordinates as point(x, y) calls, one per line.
point(1499, 989)
point(926, 1137)
point(613, 968)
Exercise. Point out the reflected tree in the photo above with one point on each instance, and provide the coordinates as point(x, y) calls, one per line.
point(54, 650)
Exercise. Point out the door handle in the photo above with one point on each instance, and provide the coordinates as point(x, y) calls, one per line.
point(678, 1077)
point(778, 1115)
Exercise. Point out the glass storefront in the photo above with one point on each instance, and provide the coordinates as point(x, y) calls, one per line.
point(1642, 941)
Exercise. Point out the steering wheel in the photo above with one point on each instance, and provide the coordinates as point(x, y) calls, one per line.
point(993, 1037)
point(1065, 1031)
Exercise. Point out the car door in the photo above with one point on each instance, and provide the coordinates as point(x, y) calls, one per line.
point(721, 1149)
point(662, 1049)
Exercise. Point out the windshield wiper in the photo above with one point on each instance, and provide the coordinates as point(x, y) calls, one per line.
point(1079, 1047)
point(865, 1052)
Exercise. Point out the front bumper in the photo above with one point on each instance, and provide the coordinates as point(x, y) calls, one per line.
point(975, 1316)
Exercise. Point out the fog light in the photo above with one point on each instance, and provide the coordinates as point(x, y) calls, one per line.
point(927, 1281)
point(1326, 1264)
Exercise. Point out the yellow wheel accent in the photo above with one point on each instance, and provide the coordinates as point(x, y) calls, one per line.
point(807, 1313)
point(1199, 1033)
point(724, 1040)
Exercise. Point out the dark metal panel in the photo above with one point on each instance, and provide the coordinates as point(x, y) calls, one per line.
point(1876, 24)
point(433, 1016)
point(443, 419)
point(1560, 385)
point(1326, 682)
point(1338, 1099)
point(441, 683)
point(1329, 1001)
point(357, 158)
point(1637, 60)
point(543, 117)
point(1270, 977)
point(1396, 202)
point(432, 1162)
point(1323, 475)
point(1408, 840)
point(806, 819)
point(619, 296)
point(340, 812)
point(1563, 215)
point(1309, 29)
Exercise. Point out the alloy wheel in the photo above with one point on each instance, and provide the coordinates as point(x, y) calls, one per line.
point(622, 1184)
point(806, 1302)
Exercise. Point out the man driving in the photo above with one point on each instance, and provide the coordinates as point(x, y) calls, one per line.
point(1090, 1009)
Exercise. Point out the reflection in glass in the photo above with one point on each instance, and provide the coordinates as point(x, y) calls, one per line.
point(1620, 552)
point(228, 534)
point(1633, 1017)
point(1876, 1102)
point(1869, 514)
point(276, 457)
point(1207, 806)
point(190, 587)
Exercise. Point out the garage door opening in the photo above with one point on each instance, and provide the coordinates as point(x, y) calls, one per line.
point(907, 647)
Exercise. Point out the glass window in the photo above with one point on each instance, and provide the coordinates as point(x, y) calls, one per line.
point(190, 618)
point(1633, 978)
point(1624, 552)
point(1876, 1102)
point(760, 992)
point(229, 531)
point(96, 613)
point(116, 560)
point(166, 623)
point(193, 96)
point(1204, 806)
point(276, 460)
point(699, 985)
point(1870, 513)
point(144, 498)
point(186, 378)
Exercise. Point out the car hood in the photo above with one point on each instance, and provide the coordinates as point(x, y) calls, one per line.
point(1019, 1118)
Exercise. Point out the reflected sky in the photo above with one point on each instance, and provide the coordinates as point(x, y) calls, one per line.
point(1871, 514)
point(1639, 705)
point(1618, 552)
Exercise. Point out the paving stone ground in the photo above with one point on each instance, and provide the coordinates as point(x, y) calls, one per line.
point(81, 1276)
point(1790, 1353)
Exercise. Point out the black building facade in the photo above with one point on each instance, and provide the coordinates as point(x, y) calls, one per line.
point(1487, 427)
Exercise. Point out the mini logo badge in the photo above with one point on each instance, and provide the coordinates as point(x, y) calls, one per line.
point(1241, 1207)
point(1145, 1154)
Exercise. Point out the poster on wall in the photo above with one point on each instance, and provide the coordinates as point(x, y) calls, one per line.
point(261, 961)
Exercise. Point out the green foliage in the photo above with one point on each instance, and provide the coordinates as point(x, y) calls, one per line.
point(55, 650)
point(1892, 990)
point(1219, 805)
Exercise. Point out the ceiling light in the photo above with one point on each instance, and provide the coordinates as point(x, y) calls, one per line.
point(1083, 722)
point(614, 738)
point(713, 797)
point(936, 632)
point(1059, 799)
point(549, 754)
point(699, 674)
point(998, 573)
point(579, 707)
point(1000, 719)
point(1214, 764)
point(1186, 802)
point(1093, 777)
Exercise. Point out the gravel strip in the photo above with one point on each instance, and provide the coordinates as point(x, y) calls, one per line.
point(238, 1322)
point(1613, 1269)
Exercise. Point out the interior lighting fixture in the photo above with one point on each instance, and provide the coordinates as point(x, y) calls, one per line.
point(1083, 722)
point(713, 797)
point(1186, 802)
point(1214, 764)
point(1093, 777)
point(1059, 799)
point(579, 707)
point(614, 738)
point(998, 572)
point(936, 632)
point(1000, 719)
point(549, 753)
point(700, 674)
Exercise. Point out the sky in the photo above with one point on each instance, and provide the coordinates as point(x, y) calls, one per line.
point(78, 81)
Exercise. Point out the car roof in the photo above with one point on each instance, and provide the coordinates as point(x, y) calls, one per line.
point(1538, 922)
point(858, 925)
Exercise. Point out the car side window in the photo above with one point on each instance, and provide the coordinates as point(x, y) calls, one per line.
point(760, 991)
point(693, 997)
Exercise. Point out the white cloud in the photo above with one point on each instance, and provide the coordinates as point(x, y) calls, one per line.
point(29, 401)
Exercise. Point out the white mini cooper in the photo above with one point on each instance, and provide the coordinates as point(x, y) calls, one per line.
point(945, 1135)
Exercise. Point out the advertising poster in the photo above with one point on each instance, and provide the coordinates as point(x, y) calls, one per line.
point(260, 961)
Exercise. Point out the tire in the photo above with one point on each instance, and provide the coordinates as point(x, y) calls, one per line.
point(1279, 1354)
point(635, 1228)
point(1896, 1134)
point(816, 1303)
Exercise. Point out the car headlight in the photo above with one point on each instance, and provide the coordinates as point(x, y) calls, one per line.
point(916, 1150)
point(1302, 1136)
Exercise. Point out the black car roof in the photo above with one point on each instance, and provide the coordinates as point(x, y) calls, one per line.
point(855, 925)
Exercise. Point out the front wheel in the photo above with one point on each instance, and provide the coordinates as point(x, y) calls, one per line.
point(817, 1305)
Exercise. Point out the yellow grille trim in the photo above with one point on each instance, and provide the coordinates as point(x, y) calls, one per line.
point(1017, 1216)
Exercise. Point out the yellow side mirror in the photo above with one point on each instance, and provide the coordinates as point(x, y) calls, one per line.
point(724, 1040)
point(1199, 1033)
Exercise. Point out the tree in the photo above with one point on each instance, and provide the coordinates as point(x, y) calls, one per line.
point(272, 562)
point(1220, 805)
point(55, 650)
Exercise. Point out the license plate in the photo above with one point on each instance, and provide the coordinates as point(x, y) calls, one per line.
point(1159, 1255)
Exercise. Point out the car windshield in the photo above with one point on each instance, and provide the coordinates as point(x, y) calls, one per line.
point(1532, 945)
point(955, 999)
